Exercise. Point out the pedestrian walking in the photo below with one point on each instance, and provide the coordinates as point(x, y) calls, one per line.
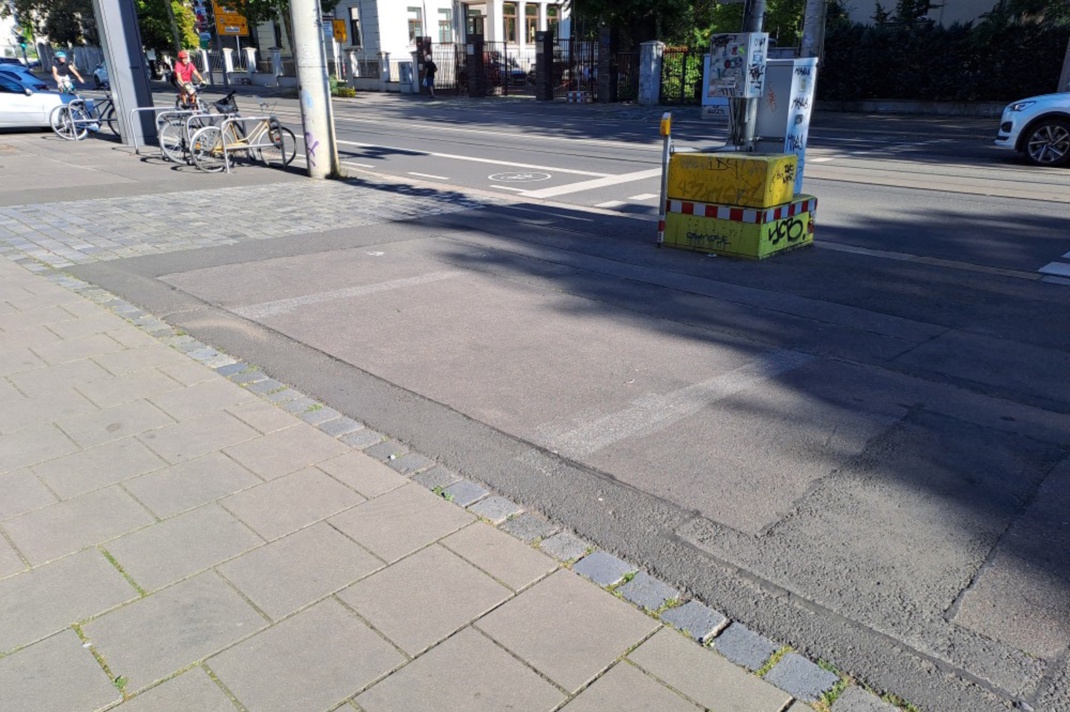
point(430, 68)
point(61, 72)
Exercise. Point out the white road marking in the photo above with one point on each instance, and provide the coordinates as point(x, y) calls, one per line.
point(472, 159)
point(593, 184)
point(285, 306)
point(610, 204)
point(361, 165)
point(427, 175)
point(1059, 268)
point(643, 196)
point(1056, 280)
point(823, 159)
point(499, 186)
point(1066, 256)
point(654, 412)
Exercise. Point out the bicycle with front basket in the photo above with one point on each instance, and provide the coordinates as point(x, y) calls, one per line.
point(212, 147)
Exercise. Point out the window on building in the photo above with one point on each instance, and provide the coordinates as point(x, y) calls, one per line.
point(553, 19)
point(474, 20)
point(445, 26)
point(531, 21)
point(354, 27)
point(509, 21)
point(416, 23)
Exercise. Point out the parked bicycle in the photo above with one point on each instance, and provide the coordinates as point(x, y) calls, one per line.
point(75, 120)
point(212, 147)
point(174, 128)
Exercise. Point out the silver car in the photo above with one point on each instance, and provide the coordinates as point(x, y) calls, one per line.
point(1038, 128)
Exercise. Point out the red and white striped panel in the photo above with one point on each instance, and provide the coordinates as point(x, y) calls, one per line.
point(745, 215)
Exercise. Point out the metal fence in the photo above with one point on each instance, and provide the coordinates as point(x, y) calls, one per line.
point(575, 67)
point(681, 75)
point(627, 76)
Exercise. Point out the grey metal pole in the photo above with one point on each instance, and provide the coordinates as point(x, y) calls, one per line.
point(127, 73)
point(752, 23)
point(317, 115)
point(666, 154)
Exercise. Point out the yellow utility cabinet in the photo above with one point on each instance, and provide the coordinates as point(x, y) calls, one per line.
point(739, 179)
point(740, 232)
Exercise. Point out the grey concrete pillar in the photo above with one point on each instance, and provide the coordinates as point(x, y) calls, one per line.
point(650, 55)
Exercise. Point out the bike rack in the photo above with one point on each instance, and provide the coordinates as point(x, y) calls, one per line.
point(158, 109)
point(245, 147)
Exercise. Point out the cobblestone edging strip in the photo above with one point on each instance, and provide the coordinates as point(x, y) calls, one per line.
point(788, 671)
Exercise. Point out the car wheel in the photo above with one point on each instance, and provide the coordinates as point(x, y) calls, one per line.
point(1047, 143)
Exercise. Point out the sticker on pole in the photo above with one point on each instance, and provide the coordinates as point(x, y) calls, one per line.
point(519, 177)
point(737, 65)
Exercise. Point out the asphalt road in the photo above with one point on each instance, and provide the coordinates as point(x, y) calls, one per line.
point(859, 449)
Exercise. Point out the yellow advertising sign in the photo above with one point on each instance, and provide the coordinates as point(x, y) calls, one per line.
point(340, 31)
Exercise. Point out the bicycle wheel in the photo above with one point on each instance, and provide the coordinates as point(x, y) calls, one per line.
point(172, 138)
point(206, 149)
point(70, 122)
point(109, 118)
point(282, 149)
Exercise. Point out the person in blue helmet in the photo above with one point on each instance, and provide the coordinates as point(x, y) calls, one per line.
point(61, 72)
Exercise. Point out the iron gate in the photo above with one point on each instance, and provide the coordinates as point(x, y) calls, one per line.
point(681, 75)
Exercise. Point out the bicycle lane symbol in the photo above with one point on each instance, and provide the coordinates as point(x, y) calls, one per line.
point(519, 177)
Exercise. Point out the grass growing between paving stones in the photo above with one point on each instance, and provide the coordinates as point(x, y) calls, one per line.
point(441, 492)
point(118, 567)
point(670, 604)
point(118, 680)
point(828, 698)
point(773, 660)
point(314, 407)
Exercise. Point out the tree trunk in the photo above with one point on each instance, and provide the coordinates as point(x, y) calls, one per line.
point(174, 26)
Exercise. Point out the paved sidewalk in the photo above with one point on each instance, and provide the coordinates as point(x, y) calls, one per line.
point(179, 531)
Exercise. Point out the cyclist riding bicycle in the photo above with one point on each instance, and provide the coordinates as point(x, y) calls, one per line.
point(184, 73)
point(61, 72)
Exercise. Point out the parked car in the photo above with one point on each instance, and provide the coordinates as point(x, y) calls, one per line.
point(100, 75)
point(10, 60)
point(21, 107)
point(23, 76)
point(1038, 128)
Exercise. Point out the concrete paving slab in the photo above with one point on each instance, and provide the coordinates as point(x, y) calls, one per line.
point(201, 398)
point(55, 674)
point(705, 676)
point(128, 387)
point(567, 629)
point(495, 509)
point(187, 371)
point(74, 524)
point(299, 569)
point(401, 521)
point(31, 336)
point(49, 598)
point(625, 687)
point(23, 492)
point(436, 478)
point(97, 467)
point(33, 317)
point(190, 484)
point(100, 323)
point(183, 545)
point(120, 421)
point(16, 359)
point(200, 436)
point(366, 475)
point(312, 661)
point(465, 493)
point(264, 417)
point(78, 348)
point(192, 690)
point(424, 598)
point(10, 563)
point(156, 636)
point(140, 358)
point(29, 446)
point(280, 506)
point(500, 555)
point(466, 673)
point(284, 451)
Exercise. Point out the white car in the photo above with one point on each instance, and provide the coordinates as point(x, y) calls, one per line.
point(21, 107)
point(1039, 128)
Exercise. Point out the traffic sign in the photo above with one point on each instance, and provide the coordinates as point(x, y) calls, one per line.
point(340, 31)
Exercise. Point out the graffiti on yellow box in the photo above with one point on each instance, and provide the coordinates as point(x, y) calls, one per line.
point(744, 180)
point(740, 232)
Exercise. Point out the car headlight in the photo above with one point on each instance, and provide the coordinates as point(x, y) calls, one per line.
point(1020, 105)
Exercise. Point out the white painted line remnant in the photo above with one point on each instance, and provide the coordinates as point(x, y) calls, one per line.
point(285, 306)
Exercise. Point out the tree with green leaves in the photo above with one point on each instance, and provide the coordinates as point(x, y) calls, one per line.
point(158, 33)
point(64, 22)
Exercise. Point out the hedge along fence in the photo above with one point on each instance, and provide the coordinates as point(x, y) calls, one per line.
point(932, 63)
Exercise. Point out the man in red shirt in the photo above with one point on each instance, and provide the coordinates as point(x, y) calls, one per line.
point(185, 71)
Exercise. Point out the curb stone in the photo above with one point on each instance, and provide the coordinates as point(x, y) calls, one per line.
point(799, 677)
